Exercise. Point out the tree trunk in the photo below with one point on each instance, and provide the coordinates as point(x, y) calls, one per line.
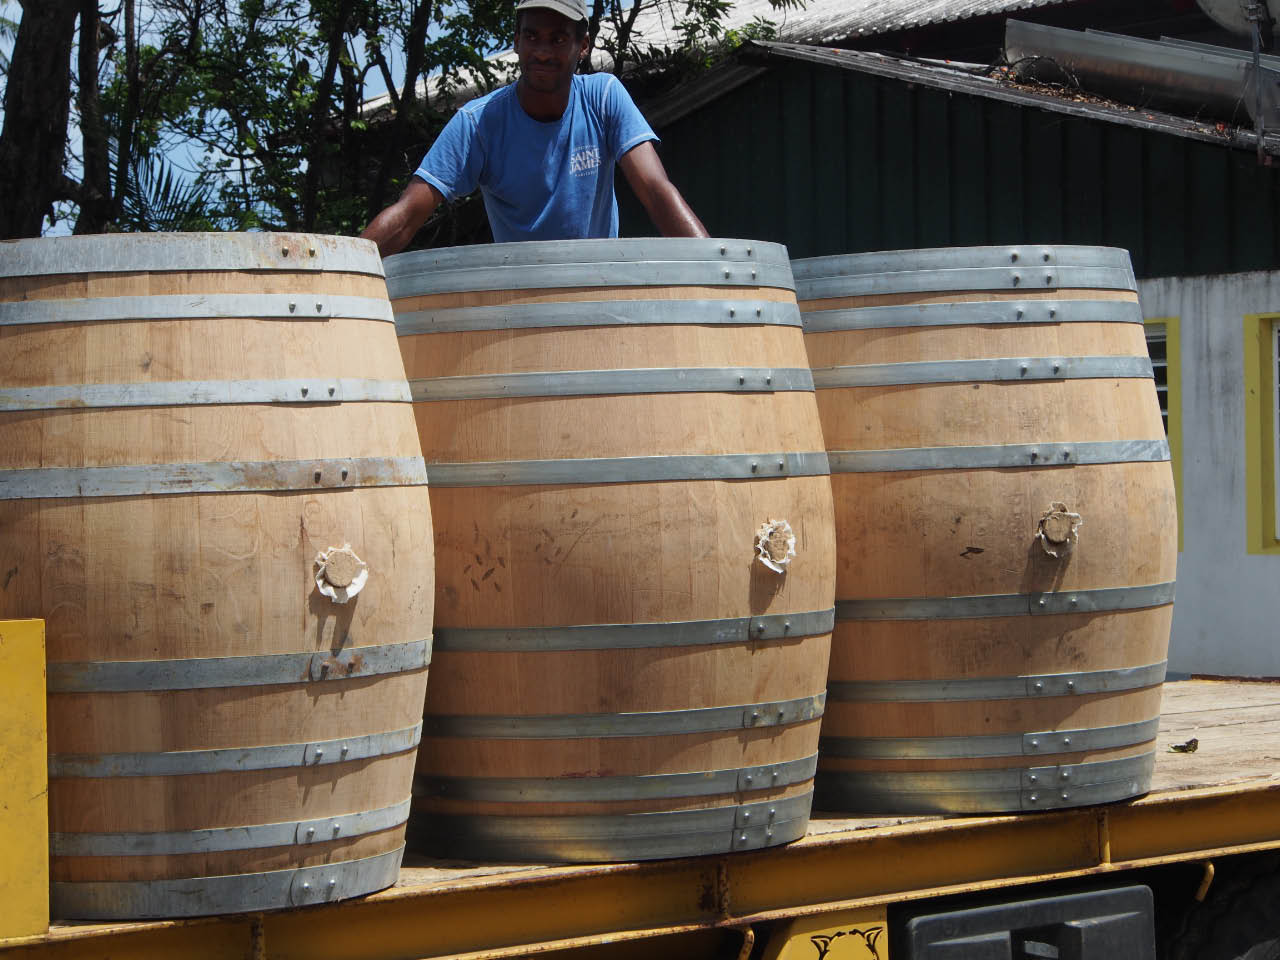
point(95, 198)
point(408, 110)
point(37, 102)
point(316, 132)
point(124, 139)
point(593, 28)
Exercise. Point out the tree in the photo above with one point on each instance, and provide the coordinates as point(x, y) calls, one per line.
point(37, 102)
point(248, 114)
point(8, 30)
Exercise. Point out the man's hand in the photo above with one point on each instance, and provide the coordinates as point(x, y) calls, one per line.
point(395, 226)
point(663, 202)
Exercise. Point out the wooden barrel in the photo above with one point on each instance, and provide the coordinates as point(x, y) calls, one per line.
point(1006, 528)
point(188, 422)
point(608, 426)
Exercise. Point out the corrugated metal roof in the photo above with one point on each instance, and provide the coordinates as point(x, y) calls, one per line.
point(819, 21)
point(830, 21)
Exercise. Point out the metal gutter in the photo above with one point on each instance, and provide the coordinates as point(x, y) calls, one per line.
point(1140, 71)
point(1267, 60)
point(958, 81)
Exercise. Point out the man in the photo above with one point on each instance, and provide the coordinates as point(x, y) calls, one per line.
point(543, 150)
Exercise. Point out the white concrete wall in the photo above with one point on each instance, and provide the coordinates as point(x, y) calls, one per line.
point(1226, 617)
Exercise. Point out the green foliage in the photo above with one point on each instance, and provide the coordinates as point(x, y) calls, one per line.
point(159, 199)
point(702, 41)
point(255, 114)
point(464, 38)
point(760, 28)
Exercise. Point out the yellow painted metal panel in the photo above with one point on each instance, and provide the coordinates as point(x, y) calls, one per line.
point(1216, 819)
point(1259, 434)
point(844, 935)
point(204, 939)
point(24, 782)
point(550, 906)
point(893, 861)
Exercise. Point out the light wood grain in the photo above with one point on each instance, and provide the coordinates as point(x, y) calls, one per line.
point(618, 553)
point(965, 532)
point(937, 533)
point(617, 756)
point(945, 765)
point(564, 428)
point(978, 718)
point(627, 553)
point(1236, 726)
point(125, 869)
point(133, 283)
point(872, 650)
point(615, 808)
point(964, 296)
point(213, 575)
point(921, 344)
point(208, 800)
point(152, 722)
point(595, 348)
point(136, 351)
point(497, 298)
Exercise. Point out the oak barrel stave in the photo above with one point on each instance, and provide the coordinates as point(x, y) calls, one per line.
point(169, 401)
point(589, 431)
point(970, 668)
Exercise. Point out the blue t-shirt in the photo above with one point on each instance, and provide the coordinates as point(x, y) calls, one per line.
point(540, 181)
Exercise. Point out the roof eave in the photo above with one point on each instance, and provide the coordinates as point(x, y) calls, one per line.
point(753, 58)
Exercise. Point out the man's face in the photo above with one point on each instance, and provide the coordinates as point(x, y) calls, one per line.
point(548, 48)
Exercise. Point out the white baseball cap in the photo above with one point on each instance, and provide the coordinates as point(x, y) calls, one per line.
point(573, 9)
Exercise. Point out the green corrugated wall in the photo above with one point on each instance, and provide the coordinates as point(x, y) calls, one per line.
point(831, 161)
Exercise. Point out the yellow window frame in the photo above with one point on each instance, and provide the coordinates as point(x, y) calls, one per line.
point(1260, 414)
point(1173, 402)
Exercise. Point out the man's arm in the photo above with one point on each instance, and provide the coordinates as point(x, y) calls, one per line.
point(395, 226)
point(663, 202)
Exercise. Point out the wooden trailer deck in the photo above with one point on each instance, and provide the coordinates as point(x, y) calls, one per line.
point(1222, 799)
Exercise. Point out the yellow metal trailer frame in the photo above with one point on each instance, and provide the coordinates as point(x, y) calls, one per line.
point(539, 909)
point(842, 869)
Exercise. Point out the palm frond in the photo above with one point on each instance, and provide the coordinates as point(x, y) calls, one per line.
point(159, 199)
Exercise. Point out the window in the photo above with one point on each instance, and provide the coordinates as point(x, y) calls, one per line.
point(1164, 350)
point(1158, 348)
point(1262, 432)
